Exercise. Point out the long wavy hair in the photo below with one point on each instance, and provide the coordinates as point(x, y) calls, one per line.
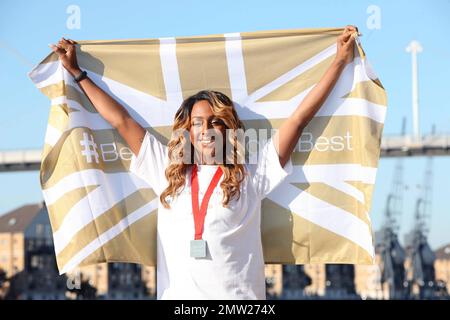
point(233, 173)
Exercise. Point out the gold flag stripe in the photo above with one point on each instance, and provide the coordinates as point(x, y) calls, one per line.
point(60, 89)
point(344, 250)
point(283, 229)
point(104, 222)
point(52, 57)
point(336, 198)
point(54, 90)
point(45, 151)
point(333, 140)
point(58, 118)
point(260, 69)
point(136, 244)
point(269, 34)
point(64, 204)
point(369, 91)
point(300, 83)
point(367, 189)
point(137, 66)
point(203, 65)
point(64, 160)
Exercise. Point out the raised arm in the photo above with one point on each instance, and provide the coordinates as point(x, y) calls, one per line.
point(112, 111)
point(290, 131)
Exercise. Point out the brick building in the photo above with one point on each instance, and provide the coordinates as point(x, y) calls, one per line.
point(28, 258)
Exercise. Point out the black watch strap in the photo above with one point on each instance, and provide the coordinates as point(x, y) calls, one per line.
point(82, 75)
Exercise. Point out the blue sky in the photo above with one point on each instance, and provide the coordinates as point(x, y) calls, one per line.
point(26, 27)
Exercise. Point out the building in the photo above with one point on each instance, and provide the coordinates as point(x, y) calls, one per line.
point(318, 280)
point(368, 281)
point(442, 269)
point(149, 278)
point(28, 258)
point(27, 255)
point(274, 280)
point(124, 281)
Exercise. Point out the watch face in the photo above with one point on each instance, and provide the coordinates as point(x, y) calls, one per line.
point(81, 76)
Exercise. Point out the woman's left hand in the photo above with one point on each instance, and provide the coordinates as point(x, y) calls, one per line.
point(346, 45)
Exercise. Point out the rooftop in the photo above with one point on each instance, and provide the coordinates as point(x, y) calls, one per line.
point(18, 219)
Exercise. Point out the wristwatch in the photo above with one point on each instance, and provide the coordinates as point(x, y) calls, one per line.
point(82, 75)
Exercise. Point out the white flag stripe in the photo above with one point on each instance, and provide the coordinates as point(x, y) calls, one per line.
point(169, 65)
point(142, 106)
point(52, 135)
point(110, 234)
point(59, 100)
point(139, 104)
point(84, 178)
point(335, 104)
point(262, 110)
point(105, 196)
point(45, 74)
point(336, 176)
point(348, 189)
point(333, 172)
point(338, 107)
point(236, 68)
point(84, 118)
point(354, 107)
point(292, 74)
point(324, 215)
point(369, 70)
point(52, 73)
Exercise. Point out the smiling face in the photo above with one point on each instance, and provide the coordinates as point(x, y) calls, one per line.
point(200, 125)
point(207, 133)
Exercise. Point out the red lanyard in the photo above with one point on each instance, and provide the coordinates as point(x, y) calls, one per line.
point(200, 213)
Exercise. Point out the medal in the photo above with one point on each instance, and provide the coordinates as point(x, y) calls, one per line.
point(198, 245)
point(198, 248)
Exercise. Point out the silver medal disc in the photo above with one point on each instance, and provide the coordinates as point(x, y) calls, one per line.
point(198, 248)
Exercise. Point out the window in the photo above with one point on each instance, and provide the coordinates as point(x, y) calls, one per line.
point(38, 243)
point(39, 230)
point(48, 231)
point(30, 244)
point(48, 241)
point(34, 261)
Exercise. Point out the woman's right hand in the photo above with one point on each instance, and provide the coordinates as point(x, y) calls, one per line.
point(110, 109)
point(65, 49)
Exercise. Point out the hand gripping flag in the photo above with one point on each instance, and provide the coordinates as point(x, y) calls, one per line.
point(100, 212)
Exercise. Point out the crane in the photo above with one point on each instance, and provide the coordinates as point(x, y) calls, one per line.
point(421, 269)
point(388, 246)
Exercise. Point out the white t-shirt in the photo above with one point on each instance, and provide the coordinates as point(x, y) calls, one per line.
point(234, 265)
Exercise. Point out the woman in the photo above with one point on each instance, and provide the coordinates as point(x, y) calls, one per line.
point(209, 238)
